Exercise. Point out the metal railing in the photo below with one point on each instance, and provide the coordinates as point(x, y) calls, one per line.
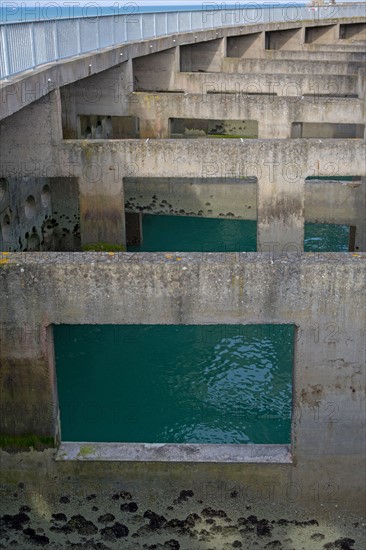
point(27, 45)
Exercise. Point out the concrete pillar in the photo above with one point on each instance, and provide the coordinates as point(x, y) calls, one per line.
point(133, 228)
point(361, 83)
point(280, 212)
point(28, 382)
point(153, 118)
point(360, 237)
point(102, 215)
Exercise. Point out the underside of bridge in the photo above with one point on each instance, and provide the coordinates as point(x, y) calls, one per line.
point(263, 123)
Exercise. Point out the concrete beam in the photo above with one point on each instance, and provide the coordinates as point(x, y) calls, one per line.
point(312, 54)
point(280, 206)
point(274, 114)
point(216, 158)
point(279, 84)
point(264, 66)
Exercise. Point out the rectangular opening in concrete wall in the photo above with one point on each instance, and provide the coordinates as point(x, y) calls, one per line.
point(219, 215)
point(108, 127)
point(160, 233)
point(289, 39)
point(209, 128)
point(202, 56)
point(335, 210)
point(356, 31)
point(196, 384)
point(243, 46)
point(327, 130)
point(154, 72)
point(321, 34)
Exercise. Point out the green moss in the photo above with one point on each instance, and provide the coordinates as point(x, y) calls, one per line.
point(25, 442)
point(87, 148)
point(103, 247)
point(86, 450)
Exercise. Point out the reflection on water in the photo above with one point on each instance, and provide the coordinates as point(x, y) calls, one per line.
point(192, 234)
point(175, 384)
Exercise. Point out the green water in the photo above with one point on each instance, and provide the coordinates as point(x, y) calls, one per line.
point(175, 384)
point(193, 234)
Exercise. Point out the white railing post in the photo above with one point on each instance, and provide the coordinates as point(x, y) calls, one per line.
point(98, 33)
point(78, 35)
point(4, 35)
point(55, 40)
point(33, 46)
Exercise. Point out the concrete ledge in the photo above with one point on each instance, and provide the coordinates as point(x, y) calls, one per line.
point(157, 452)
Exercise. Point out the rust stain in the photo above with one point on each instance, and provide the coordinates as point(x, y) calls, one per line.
point(312, 395)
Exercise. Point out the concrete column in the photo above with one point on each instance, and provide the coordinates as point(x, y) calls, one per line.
point(133, 228)
point(280, 212)
point(360, 237)
point(69, 115)
point(153, 117)
point(361, 83)
point(27, 380)
point(102, 215)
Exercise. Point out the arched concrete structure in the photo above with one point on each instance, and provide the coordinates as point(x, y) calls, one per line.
point(303, 84)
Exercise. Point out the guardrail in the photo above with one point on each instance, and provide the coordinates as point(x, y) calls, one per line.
point(27, 45)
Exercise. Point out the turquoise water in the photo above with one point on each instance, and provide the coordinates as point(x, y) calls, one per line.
point(175, 384)
point(193, 234)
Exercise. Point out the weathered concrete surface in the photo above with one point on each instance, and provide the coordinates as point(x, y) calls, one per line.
point(265, 66)
point(39, 210)
point(279, 84)
point(323, 295)
point(192, 506)
point(275, 115)
point(313, 53)
point(159, 452)
point(211, 197)
point(217, 158)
